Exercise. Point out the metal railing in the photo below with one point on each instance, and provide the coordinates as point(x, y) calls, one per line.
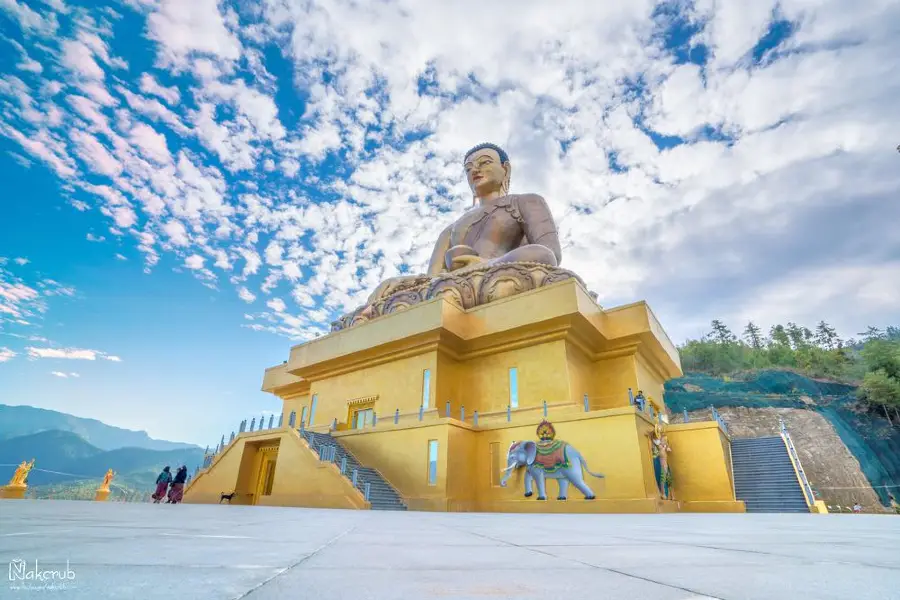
point(808, 494)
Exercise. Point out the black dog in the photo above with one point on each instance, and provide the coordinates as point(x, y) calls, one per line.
point(227, 497)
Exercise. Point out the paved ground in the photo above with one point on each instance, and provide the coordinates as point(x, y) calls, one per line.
point(145, 551)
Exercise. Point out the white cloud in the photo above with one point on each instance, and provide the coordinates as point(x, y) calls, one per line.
point(149, 85)
point(194, 261)
point(21, 261)
point(318, 200)
point(65, 375)
point(120, 257)
point(95, 238)
point(69, 354)
point(6, 354)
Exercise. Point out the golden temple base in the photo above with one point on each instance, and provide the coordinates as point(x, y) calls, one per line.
point(13, 492)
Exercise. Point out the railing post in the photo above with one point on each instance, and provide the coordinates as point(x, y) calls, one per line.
point(545, 409)
point(462, 414)
point(367, 488)
point(374, 418)
point(334, 424)
point(353, 477)
point(280, 420)
point(448, 409)
point(508, 413)
point(421, 412)
point(343, 465)
point(586, 404)
point(396, 416)
point(475, 419)
point(232, 437)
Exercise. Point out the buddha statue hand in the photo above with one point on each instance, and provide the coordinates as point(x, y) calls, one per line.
point(461, 256)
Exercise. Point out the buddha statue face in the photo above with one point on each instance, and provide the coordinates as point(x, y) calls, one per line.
point(487, 171)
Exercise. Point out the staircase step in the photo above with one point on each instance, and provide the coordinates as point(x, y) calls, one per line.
point(382, 496)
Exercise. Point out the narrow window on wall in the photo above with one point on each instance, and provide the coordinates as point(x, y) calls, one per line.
point(514, 387)
point(432, 462)
point(303, 417)
point(426, 389)
point(312, 408)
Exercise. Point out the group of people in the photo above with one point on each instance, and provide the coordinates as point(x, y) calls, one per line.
point(174, 485)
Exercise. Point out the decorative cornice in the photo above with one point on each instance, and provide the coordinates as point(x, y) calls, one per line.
point(363, 400)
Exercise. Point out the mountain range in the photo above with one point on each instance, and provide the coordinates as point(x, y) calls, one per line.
point(72, 454)
point(17, 421)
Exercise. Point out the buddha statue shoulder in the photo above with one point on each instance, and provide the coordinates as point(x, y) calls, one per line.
point(499, 229)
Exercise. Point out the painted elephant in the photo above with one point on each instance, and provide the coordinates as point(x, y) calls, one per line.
point(549, 459)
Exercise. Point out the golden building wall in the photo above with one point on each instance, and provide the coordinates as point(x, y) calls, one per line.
point(701, 467)
point(295, 404)
point(301, 479)
point(397, 384)
point(614, 376)
point(541, 373)
point(650, 382)
point(400, 454)
point(583, 375)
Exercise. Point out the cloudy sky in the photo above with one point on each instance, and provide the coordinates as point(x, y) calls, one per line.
point(191, 186)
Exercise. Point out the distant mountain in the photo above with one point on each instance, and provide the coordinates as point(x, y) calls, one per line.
point(16, 421)
point(63, 459)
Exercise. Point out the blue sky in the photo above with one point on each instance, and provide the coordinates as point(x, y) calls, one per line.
point(192, 187)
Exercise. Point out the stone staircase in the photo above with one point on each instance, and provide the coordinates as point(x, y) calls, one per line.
point(382, 496)
point(764, 477)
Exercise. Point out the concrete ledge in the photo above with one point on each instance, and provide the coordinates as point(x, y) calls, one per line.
point(702, 506)
point(570, 506)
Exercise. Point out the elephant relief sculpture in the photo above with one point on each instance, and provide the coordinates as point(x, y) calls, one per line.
point(548, 459)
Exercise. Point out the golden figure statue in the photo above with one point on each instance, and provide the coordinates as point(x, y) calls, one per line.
point(107, 479)
point(660, 451)
point(18, 478)
point(505, 244)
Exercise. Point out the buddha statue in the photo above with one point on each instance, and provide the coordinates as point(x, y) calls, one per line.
point(500, 229)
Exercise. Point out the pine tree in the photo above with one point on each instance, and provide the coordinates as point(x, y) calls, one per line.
point(753, 335)
point(720, 333)
point(779, 336)
point(826, 336)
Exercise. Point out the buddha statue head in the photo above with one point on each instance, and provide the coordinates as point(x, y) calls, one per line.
point(487, 171)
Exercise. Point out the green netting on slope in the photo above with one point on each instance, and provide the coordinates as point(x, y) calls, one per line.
point(870, 438)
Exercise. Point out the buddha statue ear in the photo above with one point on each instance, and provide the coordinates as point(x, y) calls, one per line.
point(504, 187)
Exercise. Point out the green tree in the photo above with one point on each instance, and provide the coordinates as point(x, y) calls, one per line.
point(826, 336)
point(879, 389)
point(720, 333)
point(753, 336)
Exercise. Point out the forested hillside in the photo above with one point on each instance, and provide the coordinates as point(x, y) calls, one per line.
point(853, 383)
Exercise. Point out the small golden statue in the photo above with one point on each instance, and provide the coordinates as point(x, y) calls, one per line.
point(504, 245)
point(18, 478)
point(107, 479)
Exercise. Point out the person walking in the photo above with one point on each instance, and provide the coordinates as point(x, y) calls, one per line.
point(162, 484)
point(176, 492)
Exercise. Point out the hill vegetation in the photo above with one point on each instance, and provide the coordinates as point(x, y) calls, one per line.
point(17, 421)
point(870, 364)
point(68, 467)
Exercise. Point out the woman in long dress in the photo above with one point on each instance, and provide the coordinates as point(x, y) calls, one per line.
point(162, 484)
point(176, 492)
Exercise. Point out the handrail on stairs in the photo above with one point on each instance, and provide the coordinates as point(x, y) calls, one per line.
point(348, 452)
point(808, 494)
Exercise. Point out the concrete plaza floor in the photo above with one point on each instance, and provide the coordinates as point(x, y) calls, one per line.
point(134, 551)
